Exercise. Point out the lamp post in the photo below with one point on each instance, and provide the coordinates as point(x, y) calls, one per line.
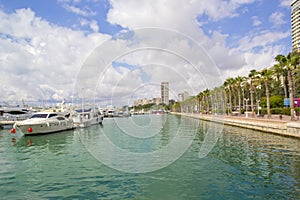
point(246, 106)
point(228, 108)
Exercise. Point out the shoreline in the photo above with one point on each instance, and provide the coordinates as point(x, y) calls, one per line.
point(283, 127)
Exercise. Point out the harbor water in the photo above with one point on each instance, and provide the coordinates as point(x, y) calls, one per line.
point(150, 157)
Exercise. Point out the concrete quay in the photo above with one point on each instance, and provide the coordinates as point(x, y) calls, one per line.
point(275, 125)
point(7, 124)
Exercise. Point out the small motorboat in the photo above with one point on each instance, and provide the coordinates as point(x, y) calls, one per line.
point(44, 122)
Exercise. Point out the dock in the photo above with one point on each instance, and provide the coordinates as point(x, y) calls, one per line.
point(278, 126)
point(6, 124)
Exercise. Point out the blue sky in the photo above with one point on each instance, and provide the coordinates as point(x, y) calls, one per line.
point(68, 13)
point(53, 38)
point(260, 13)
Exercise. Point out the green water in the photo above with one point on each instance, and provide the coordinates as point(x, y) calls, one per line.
point(243, 164)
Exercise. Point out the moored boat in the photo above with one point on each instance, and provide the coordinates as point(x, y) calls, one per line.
point(87, 117)
point(44, 122)
point(110, 112)
point(122, 114)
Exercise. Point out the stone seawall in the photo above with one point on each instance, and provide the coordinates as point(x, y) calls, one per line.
point(281, 127)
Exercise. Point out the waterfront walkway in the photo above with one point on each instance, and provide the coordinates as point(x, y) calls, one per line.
point(275, 125)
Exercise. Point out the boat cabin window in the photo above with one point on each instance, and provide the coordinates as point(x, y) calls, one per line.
point(52, 115)
point(39, 116)
point(60, 118)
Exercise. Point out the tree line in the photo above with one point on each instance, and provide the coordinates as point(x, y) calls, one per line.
point(250, 92)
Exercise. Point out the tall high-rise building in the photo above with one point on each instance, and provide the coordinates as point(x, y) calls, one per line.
point(165, 93)
point(296, 25)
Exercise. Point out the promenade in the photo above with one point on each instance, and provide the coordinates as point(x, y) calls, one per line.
point(274, 125)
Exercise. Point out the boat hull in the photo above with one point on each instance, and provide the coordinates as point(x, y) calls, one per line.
point(42, 127)
point(88, 122)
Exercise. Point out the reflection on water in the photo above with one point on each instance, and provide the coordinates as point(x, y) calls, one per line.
point(244, 164)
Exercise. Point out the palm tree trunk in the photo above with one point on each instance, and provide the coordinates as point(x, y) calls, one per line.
point(251, 99)
point(230, 100)
point(285, 87)
point(291, 88)
point(268, 99)
point(240, 103)
point(199, 103)
point(207, 104)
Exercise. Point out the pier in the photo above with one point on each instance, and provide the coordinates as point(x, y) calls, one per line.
point(276, 125)
point(6, 124)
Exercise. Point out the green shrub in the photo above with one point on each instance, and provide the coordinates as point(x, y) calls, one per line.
point(275, 102)
point(286, 111)
point(277, 111)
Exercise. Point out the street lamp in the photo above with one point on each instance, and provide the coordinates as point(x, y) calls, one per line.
point(257, 102)
point(246, 106)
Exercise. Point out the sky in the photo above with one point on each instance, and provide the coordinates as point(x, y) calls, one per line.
point(115, 51)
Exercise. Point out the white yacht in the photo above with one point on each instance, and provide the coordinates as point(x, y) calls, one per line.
point(44, 122)
point(110, 112)
point(14, 113)
point(87, 117)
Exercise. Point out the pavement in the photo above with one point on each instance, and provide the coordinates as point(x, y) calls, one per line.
point(274, 118)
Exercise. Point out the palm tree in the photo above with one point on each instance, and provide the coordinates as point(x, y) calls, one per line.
point(290, 63)
point(293, 60)
point(266, 76)
point(199, 98)
point(206, 94)
point(252, 77)
point(229, 84)
point(237, 82)
point(280, 70)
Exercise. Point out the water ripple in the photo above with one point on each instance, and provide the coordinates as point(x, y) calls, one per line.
point(244, 164)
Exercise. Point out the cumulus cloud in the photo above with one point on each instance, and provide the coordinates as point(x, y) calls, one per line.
point(256, 21)
point(46, 61)
point(92, 24)
point(277, 18)
point(36, 55)
point(178, 15)
point(262, 39)
point(185, 17)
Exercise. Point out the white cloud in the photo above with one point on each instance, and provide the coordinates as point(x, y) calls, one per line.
point(256, 21)
point(277, 18)
point(263, 39)
point(94, 26)
point(41, 60)
point(181, 16)
point(83, 12)
point(158, 55)
point(286, 3)
point(36, 55)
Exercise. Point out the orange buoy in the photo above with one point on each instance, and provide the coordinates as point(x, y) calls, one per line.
point(13, 131)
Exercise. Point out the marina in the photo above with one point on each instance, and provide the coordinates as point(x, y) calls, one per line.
point(243, 164)
point(172, 100)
